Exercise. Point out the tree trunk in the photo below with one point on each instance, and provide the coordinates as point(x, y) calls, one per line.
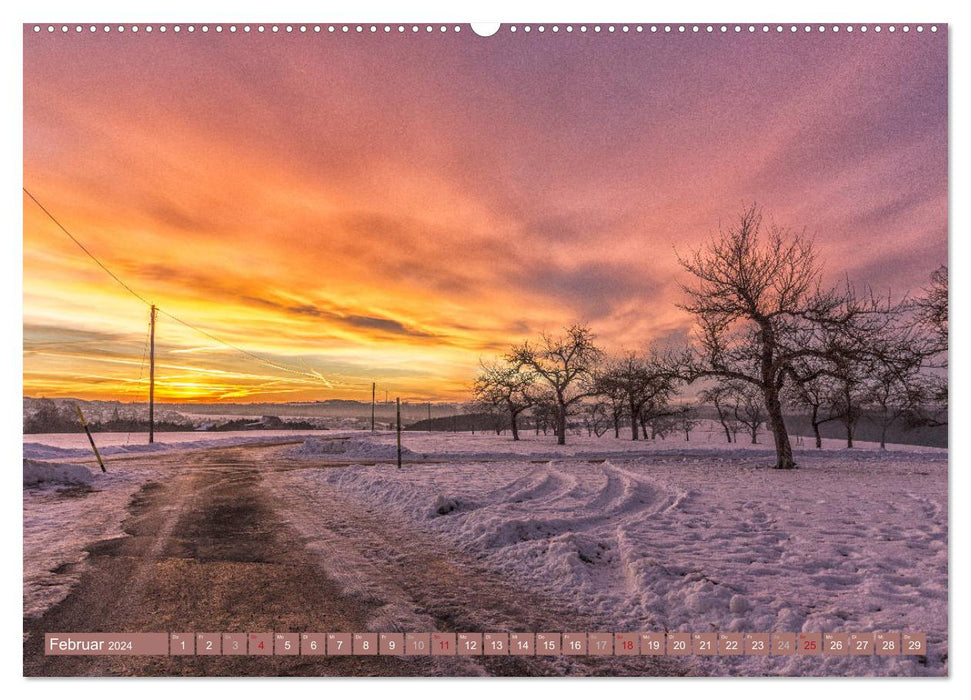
point(721, 419)
point(815, 423)
point(561, 423)
point(617, 426)
point(515, 428)
point(849, 415)
point(755, 435)
point(633, 422)
point(883, 436)
point(783, 449)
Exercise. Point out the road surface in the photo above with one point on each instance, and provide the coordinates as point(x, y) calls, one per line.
point(209, 547)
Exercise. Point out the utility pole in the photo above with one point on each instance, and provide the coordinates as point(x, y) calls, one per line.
point(429, 415)
point(151, 382)
point(373, 389)
point(398, 424)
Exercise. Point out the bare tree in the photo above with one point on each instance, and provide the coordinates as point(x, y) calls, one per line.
point(544, 411)
point(932, 311)
point(816, 395)
point(720, 397)
point(895, 387)
point(687, 419)
point(661, 423)
point(847, 400)
point(507, 387)
point(890, 395)
point(566, 362)
point(748, 409)
point(759, 307)
point(612, 395)
point(930, 397)
point(597, 418)
point(871, 357)
point(638, 381)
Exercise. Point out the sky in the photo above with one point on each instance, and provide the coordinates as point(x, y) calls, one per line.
point(358, 208)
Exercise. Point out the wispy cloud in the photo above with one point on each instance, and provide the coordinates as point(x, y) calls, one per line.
point(390, 210)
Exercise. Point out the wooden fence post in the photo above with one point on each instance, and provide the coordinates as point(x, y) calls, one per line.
point(94, 447)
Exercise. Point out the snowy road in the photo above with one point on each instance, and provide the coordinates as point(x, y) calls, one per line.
point(208, 546)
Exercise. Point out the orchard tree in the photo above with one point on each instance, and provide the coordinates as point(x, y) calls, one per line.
point(612, 397)
point(544, 410)
point(687, 420)
point(890, 395)
point(848, 398)
point(597, 418)
point(748, 409)
point(760, 307)
point(817, 396)
point(639, 382)
point(720, 396)
point(932, 312)
point(509, 388)
point(566, 363)
point(931, 396)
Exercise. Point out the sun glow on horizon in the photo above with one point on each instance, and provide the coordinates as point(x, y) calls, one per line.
point(352, 212)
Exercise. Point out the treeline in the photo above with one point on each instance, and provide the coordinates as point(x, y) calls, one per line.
point(770, 338)
point(49, 417)
point(265, 423)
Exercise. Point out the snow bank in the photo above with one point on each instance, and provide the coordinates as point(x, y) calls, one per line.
point(59, 524)
point(38, 473)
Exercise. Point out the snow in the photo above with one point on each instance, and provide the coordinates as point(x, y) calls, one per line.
point(62, 518)
point(700, 538)
point(75, 445)
point(49, 473)
point(68, 506)
point(426, 446)
point(350, 448)
point(646, 535)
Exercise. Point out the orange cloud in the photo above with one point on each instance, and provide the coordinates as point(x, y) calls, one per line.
point(391, 209)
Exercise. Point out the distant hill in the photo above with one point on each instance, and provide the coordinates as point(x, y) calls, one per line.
point(58, 415)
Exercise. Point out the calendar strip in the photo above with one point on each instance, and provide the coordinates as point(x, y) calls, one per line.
point(405, 644)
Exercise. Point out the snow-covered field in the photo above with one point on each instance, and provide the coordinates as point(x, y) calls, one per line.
point(666, 535)
point(696, 536)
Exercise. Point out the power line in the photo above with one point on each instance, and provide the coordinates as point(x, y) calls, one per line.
point(116, 278)
point(86, 251)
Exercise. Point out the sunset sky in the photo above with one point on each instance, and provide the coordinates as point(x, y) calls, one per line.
point(391, 208)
